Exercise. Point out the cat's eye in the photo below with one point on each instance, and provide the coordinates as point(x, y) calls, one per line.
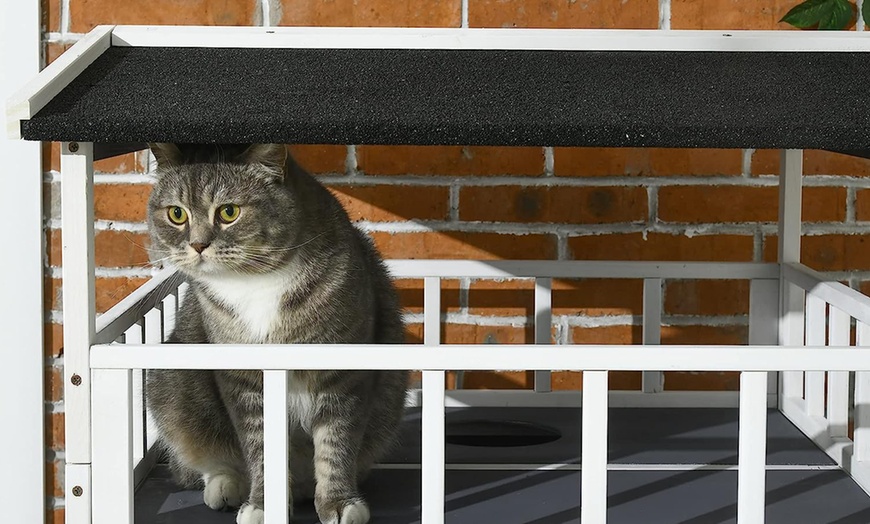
point(177, 215)
point(228, 213)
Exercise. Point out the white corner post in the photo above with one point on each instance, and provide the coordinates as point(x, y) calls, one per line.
point(77, 208)
point(593, 475)
point(276, 449)
point(652, 381)
point(112, 469)
point(791, 310)
point(543, 328)
point(433, 424)
point(21, 338)
point(752, 438)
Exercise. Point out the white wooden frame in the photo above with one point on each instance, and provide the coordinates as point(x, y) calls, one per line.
point(100, 377)
point(22, 357)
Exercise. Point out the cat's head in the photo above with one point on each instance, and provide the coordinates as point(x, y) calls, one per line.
point(223, 211)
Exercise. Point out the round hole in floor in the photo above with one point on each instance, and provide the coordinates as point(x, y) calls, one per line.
point(499, 433)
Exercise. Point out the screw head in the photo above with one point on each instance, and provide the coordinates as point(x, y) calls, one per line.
point(77, 491)
point(76, 380)
point(73, 147)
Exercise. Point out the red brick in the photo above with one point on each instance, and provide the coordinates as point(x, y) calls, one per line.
point(53, 384)
point(862, 205)
point(53, 339)
point(575, 205)
point(705, 335)
point(124, 202)
point(462, 245)
point(411, 294)
point(54, 431)
point(450, 160)
point(54, 485)
point(120, 249)
point(707, 297)
point(662, 246)
point(729, 14)
point(474, 334)
point(766, 162)
point(712, 204)
point(373, 13)
point(55, 516)
point(50, 15)
point(54, 247)
point(393, 203)
point(498, 380)
point(590, 161)
point(597, 14)
point(593, 297)
point(52, 294)
point(702, 381)
point(414, 333)
point(110, 291)
point(85, 14)
point(836, 252)
point(617, 335)
point(320, 158)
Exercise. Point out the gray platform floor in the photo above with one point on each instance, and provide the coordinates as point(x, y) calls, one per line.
point(808, 491)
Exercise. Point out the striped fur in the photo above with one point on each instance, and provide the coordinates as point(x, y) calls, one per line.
point(290, 269)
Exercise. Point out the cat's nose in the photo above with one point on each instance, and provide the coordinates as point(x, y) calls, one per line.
point(199, 247)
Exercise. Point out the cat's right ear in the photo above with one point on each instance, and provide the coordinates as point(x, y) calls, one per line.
point(166, 154)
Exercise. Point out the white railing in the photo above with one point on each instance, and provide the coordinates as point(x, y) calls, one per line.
point(818, 401)
point(820, 407)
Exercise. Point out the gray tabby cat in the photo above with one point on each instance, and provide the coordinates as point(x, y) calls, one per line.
point(271, 257)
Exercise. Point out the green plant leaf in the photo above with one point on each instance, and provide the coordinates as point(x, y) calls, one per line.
point(826, 14)
point(865, 12)
point(838, 17)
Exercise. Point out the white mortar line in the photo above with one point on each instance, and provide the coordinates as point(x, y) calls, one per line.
point(464, 287)
point(851, 200)
point(549, 161)
point(464, 14)
point(55, 177)
point(562, 251)
point(652, 202)
point(266, 13)
point(758, 246)
point(53, 407)
point(604, 181)
point(665, 14)
point(351, 163)
point(453, 203)
point(64, 18)
point(746, 164)
point(569, 321)
point(859, 24)
point(111, 272)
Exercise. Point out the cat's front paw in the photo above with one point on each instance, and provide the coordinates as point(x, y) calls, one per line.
point(353, 511)
point(223, 490)
point(249, 514)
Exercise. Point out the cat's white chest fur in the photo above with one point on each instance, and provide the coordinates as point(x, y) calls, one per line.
point(255, 299)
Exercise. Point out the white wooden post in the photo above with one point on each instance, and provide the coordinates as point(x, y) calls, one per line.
point(77, 197)
point(791, 297)
point(814, 386)
point(543, 327)
point(113, 439)
point(21, 338)
point(135, 335)
point(652, 381)
point(593, 496)
point(839, 327)
point(752, 451)
point(433, 424)
point(861, 435)
point(763, 318)
point(275, 447)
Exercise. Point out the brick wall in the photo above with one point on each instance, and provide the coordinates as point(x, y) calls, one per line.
point(486, 202)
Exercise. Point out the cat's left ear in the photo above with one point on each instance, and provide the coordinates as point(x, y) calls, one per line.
point(273, 156)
